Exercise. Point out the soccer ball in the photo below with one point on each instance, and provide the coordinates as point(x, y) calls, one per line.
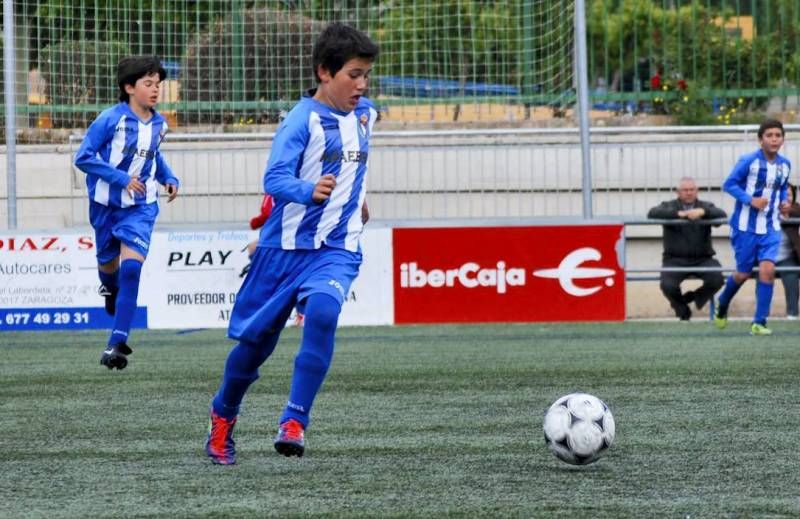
point(578, 428)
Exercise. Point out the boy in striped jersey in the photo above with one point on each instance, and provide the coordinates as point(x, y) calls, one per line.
point(308, 251)
point(759, 183)
point(123, 168)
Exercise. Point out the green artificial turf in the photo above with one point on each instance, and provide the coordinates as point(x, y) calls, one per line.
point(412, 421)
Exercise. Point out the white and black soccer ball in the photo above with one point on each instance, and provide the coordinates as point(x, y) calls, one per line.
point(579, 428)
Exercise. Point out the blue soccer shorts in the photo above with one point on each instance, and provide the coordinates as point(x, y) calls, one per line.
point(113, 226)
point(750, 248)
point(278, 279)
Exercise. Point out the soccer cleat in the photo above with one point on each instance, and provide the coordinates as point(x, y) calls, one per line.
point(720, 319)
point(110, 295)
point(289, 440)
point(759, 329)
point(220, 446)
point(116, 356)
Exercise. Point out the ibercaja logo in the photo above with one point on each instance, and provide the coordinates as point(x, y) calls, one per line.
point(517, 274)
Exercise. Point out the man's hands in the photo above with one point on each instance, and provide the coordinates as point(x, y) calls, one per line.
point(692, 214)
point(324, 188)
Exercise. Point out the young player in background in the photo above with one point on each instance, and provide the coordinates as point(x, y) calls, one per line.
point(759, 183)
point(123, 168)
point(308, 251)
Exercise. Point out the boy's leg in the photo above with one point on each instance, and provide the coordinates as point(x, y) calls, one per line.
point(241, 370)
point(102, 219)
point(314, 357)
point(310, 367)
point(744, 250)
point(322, 296)
point(767, 252)
point(109, 281)
point(130, 272)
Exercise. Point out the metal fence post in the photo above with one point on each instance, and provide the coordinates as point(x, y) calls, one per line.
point(9, 52)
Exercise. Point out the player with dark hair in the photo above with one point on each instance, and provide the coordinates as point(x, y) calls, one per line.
point(759, 183)
point(123, 165)
point(308, 251)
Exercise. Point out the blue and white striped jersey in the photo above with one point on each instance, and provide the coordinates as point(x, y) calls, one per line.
point(312, 141)
point(117, 146)
point(755, 177)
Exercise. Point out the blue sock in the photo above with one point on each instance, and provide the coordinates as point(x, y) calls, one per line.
point(731, 287)
point(129, 273)
point(241, 370)
point(109, 280)
point(312, 361)
point(763, 302)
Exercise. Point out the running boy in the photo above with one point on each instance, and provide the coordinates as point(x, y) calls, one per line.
point(123, 166)
point(308, 251)
point(759, 184)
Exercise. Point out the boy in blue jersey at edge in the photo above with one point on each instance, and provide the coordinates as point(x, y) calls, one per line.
point(308, 251)
point(759, 183)
point(123, 168)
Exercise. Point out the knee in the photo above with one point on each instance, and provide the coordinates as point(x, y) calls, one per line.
point(322, 313)
point(766, 272)
point(130, 270)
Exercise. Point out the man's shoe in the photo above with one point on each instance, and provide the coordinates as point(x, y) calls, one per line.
point(116, 356)
point(759, 329)
point(110, 295)
point(720, 319)
point(289, 440)
point(220, 446)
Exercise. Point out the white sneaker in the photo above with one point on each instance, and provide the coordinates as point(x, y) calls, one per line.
point(791, 317)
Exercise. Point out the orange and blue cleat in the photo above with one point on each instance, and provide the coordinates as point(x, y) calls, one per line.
point(220, 446)
point(289, 440)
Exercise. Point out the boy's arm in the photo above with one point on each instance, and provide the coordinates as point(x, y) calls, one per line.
point(733, 184)
point(86, 159)
point(280, 179)
point(164, 174)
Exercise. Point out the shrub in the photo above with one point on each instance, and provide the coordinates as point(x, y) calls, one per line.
point(275, 65)
point(80, 73)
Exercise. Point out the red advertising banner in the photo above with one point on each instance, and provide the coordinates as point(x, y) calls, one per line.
point(509, 274)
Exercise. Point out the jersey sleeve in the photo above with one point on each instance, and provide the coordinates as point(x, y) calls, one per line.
point(164, 173)
point(733, 184)
point(100, 132)
point(280, 179)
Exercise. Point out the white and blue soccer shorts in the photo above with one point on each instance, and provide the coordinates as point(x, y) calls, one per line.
point(132, 226)
point(750, 248)
point(278, 279)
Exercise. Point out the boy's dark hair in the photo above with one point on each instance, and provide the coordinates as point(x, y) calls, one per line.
point(793, 191)
point(133, 68)
point(770, 123)
point(337, 44)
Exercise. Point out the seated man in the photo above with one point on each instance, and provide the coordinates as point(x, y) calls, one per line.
point(688, 245)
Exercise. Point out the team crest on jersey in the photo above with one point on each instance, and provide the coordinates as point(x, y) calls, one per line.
point(362, 125)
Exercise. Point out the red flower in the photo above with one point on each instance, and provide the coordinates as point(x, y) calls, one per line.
point(655, 82)
point(682, 84)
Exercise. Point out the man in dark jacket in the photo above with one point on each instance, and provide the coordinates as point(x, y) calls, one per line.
point(688, 245)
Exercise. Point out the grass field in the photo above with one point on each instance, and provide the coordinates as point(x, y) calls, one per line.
point(412, 421)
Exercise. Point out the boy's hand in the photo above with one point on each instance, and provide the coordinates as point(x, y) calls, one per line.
point(135, 186)
point(324, 188)
point(172, 191)
point(759, 203)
